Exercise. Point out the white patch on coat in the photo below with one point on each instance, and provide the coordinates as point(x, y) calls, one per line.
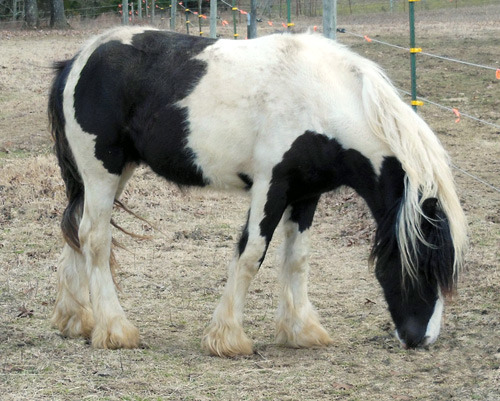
point(434, 325)
point(258, 96)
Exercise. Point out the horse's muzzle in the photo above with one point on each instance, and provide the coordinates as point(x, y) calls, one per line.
point(412, 334)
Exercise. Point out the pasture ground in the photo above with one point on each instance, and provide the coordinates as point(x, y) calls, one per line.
point(171, 283)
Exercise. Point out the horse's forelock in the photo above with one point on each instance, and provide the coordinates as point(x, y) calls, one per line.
point(428, 256)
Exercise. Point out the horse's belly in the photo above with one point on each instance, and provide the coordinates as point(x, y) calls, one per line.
point(223, 157)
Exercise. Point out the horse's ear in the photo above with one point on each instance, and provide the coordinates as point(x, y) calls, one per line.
point(429, 207)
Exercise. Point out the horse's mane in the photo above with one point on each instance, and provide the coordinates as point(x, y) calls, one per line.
point(424, 160)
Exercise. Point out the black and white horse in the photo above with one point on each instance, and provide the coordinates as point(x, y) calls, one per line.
point(284, 117)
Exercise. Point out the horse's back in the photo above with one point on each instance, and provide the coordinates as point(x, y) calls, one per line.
point(200, 111)
point(257, 97)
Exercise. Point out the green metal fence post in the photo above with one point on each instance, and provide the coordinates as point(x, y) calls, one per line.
point(235, 10)
point(413, 57)
point(289, 24)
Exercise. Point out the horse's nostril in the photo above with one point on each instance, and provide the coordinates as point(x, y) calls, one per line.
point(411, 343)
point(411, 334)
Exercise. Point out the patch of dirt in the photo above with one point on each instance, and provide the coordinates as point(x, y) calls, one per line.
point(172, 283)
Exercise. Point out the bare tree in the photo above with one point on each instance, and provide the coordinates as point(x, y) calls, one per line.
point(31, 13)
point(57, 17)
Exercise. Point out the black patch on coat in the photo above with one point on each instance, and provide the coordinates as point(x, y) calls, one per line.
point(242, 244)
point(315, 164)
point(247, 180)
point(303, 212)
point(126, 96)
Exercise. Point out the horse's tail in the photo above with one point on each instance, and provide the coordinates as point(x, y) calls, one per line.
point(69, 170)
point(427, 168)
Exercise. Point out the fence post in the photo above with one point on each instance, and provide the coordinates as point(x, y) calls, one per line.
point(413, 57)
point(213, 19)
point(200, 28)
point(289, 15)
point(252, 31)
point(125, 12)
point(330, 18)
point(235, 10)
point(173, 13)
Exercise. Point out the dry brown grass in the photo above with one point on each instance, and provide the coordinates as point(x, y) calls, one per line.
point(171, 284)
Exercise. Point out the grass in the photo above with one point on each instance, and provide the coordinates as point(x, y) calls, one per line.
point(14, 154)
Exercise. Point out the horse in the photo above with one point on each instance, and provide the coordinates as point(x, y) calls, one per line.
point(286, 118)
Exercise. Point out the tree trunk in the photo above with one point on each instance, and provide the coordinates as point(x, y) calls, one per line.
point(31, 12)
point(57, 17)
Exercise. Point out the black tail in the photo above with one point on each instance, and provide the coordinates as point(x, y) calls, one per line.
point(69, 171)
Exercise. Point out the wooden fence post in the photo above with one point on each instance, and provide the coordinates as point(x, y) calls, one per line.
point(330, 18)
point(173, 13)
point(213, 19)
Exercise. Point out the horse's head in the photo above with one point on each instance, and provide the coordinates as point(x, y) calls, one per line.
point(416, 299)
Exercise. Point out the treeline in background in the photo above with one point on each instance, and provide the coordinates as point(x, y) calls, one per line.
point(57, 13)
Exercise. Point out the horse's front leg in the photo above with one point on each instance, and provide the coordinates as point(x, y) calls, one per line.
point(297, 323)
point(225, 336)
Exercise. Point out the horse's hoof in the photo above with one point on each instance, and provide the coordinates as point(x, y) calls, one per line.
point(72, 325)
point(226, 341)
point(309, 334)
point(117, 333)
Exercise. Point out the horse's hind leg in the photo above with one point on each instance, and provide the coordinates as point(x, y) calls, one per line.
point(112, 329)
point(297, 322)
point(73, 312)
